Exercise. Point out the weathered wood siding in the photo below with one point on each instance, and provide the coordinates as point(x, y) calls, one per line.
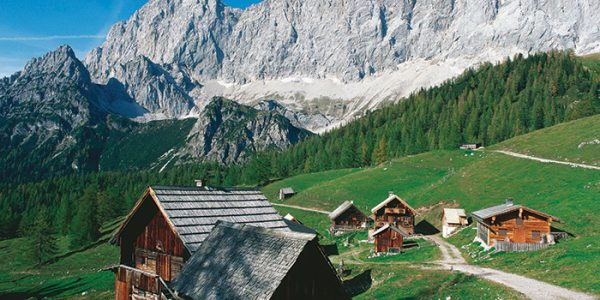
point(352, 218)
point(519, 231)
point(388, 239)
point(158, 249)
point(397, 214)
point(311, 277)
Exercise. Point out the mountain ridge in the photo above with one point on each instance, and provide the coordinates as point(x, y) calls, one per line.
point(317, 55)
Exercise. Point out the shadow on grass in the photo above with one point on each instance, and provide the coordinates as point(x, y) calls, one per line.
point(46, 291)
point(425, 228)
point(358, 284)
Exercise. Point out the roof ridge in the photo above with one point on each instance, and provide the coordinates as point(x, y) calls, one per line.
point(262, 230)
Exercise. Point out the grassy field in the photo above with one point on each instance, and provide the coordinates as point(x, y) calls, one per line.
point(481, 179)
point(561, 142)
point(72, 275)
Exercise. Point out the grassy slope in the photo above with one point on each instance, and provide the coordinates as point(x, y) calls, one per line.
point(561, 142)
point(484, 179)
point(75, 274)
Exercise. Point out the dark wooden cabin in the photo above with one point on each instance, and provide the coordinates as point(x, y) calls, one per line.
point(168, 224)
point(504, 226)
point(395, 211)
point(389, 238)
point(247, 262)
point(347, 217)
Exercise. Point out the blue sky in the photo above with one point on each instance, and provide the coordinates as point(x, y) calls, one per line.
point(30, 28)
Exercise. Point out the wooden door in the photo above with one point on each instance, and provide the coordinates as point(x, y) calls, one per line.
point(163, 266)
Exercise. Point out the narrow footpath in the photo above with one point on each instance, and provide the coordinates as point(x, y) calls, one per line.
point(531, 288)
point(301, 208)
point(544, 160)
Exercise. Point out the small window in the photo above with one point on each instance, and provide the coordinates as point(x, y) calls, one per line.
point(502, 232)
point(519, 221)
point(535, 234)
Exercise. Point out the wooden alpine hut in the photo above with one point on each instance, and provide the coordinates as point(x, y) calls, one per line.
point(286, 192)
point(247, 262)
point(395, 211)
point(347, 217)
point(169, 224)
point(389, 238)
point(510, 227)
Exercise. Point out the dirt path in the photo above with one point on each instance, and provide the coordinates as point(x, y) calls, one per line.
point(301, 208)
point(544, 160)
point(531, 288)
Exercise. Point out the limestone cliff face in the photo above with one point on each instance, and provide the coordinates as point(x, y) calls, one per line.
point(229, 132)
point(305, 51)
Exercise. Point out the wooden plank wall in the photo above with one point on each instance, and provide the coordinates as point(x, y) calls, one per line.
point(406, 220)
point(519, 233)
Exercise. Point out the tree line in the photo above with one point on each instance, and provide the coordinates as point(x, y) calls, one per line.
point(485, 105)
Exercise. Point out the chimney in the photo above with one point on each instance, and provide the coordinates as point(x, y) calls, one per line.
point(509, 201)
point(391, 193)
point(199, 182)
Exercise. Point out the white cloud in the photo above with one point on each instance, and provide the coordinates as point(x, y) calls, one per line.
point(52, 37)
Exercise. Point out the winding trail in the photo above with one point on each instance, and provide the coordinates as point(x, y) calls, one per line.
point(531, 288)
point(544, 160)
point(301, 208)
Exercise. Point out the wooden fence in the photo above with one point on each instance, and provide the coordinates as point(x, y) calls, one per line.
point(518, 247)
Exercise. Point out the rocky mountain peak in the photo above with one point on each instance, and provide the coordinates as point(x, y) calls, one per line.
point(60, 64)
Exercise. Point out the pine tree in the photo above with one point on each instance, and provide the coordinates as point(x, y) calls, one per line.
point(43, 243)
point(380, 152)
point(85, 226)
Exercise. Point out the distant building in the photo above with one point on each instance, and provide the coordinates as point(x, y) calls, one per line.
point(347, 217)
point(395, 211)
point(169, 224)
point(470, 146)
point(389, 238)
point(510, 227)
point(453, 219)
point(246, 262)
point(286, 193)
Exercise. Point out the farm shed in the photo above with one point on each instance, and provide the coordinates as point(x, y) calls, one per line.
point(472, 146)
point(395, 211)
point(508, 225)
point(453, 219)
point(246, 262)
point(347, 217)
point(285, 193)
point(389, 238)
point(168, 224)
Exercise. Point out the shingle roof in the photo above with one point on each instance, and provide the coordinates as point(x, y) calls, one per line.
point(193, 211)
point(390, 198)
point(340, 209)
point(489, 212)
point(287, 190)
point(240, 262)
point(453, 215)
point(394, 228)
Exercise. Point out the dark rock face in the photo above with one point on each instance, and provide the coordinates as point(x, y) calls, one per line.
point(54, 120)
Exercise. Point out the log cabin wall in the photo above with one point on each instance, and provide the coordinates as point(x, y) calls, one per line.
point(389, 239)
point(158, 249)
point(397, 214)
point(527, 228)
point(149, 243)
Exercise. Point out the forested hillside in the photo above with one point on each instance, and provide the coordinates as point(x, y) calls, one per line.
point(487, 105)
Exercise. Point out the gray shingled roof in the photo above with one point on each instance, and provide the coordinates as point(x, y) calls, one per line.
point(194, 211)
point(240, 262)
point(489, 212)
point(394, 228)
point(340, 209)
